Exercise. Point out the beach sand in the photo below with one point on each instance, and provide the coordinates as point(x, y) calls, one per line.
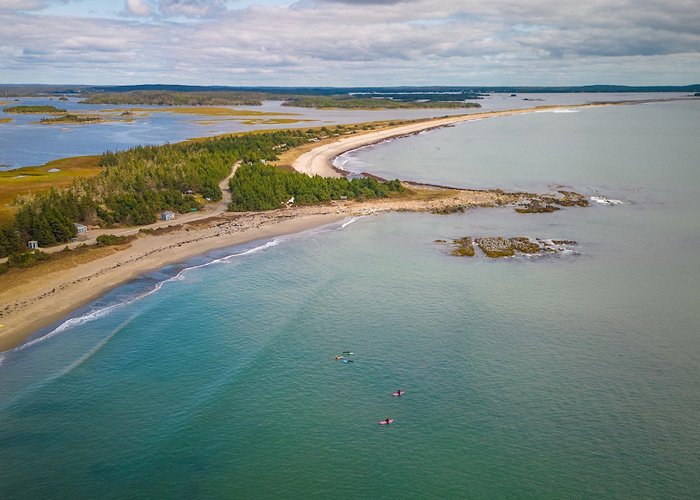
point(37, 297)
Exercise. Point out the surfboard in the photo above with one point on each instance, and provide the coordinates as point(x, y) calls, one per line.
point(384, 422)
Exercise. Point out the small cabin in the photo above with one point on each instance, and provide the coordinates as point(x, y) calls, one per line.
point(80, 227)
point(343, 198)
point(33, 245)
point(188, 191)
point(167, 215)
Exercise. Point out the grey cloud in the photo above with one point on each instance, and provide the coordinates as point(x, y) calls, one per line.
point(338, 42)
point(191, 8)
point(27, 5)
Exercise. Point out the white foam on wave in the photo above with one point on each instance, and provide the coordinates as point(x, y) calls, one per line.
point(606, 201)
point(558, 111)
point(348, 222)
point(180, 276)
point(101, 312)
point(79, 320)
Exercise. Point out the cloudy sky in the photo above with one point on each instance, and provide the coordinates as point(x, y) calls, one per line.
point(350, 42)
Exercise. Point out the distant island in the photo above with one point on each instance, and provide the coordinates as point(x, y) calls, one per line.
point(174, 98)
point(33, 109)
point(353, 102)
point(361, 100)
point(71, 118)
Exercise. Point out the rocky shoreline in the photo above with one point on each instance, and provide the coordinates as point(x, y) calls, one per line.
point(496, 247)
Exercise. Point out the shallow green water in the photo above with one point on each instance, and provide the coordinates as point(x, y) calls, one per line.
point(568, 376)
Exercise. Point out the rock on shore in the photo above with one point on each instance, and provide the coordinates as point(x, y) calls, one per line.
point(498, 246)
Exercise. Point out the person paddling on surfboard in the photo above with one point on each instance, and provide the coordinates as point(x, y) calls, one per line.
point(399, 392)
point(387, 420)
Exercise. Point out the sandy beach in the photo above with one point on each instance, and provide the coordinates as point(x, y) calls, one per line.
point(37, 297)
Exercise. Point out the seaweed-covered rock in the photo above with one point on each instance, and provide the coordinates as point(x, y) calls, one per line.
point(449, 209)
point(572, 199)
point(524, 245)
point(496, 247)
point(535, 207)
point(463, 247)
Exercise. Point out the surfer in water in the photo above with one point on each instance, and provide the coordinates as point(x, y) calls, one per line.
point(387, 420)
point(399, 392)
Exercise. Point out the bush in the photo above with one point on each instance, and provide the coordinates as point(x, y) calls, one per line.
point(105, 240)
point(27, 259)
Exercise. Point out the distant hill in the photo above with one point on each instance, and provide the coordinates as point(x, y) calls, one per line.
point(474, 90)
point(464, 92)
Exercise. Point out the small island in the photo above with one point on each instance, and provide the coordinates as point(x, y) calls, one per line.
point(33, 109)
point(71, 118)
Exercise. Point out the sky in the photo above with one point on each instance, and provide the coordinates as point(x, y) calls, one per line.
point(350, 42)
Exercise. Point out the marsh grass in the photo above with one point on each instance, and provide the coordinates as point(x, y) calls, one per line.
point(30, 180)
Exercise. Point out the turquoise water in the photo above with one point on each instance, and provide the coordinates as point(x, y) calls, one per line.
point(563, 376)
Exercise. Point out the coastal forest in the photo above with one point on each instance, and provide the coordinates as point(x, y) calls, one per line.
point(262, 187)
point(170, 98)
point(136, 184)
point(371, 100)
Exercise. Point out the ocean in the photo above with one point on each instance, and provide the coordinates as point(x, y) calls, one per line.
point(568, 375)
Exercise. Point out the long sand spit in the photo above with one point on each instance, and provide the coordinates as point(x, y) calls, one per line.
point(38, 297)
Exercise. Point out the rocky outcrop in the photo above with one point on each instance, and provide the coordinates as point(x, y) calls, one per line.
point(498, 246)
point(495, 247)
point(539, 204)
point(463, 247)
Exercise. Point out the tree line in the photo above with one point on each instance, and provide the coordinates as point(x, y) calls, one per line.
point(136, 184)
point(262, 187)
